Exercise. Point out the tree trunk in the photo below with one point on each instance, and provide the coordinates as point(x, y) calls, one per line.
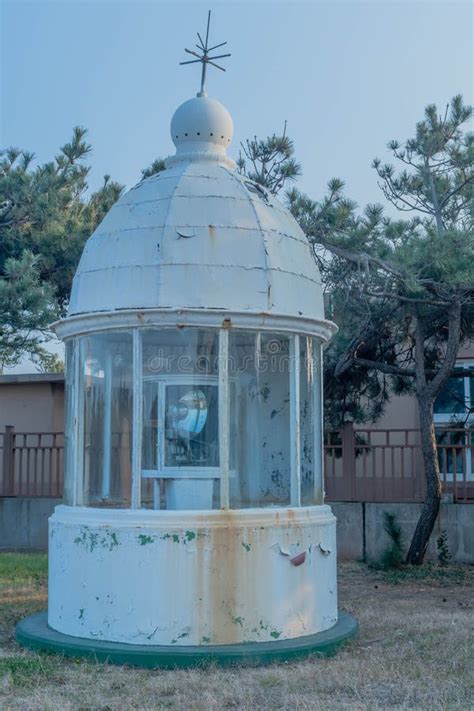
point(430, 509)
point(426, 393)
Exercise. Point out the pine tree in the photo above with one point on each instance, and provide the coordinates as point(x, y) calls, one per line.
point(26, 311)
point(269, 162)
point(402, 290)
point(45, 219)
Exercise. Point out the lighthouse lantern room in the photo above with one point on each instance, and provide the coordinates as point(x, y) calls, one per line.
point(193, 524)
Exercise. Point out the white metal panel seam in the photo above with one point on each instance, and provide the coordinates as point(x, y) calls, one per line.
point(206, 266)
point(242, 187)
point(165, 221)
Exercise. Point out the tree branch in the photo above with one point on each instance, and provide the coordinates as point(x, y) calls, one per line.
point(420, 372)
point(362, 258)
point(455, 190)
point(385, 367)
point(452, 347)
point(406, 299)
point(434, 198)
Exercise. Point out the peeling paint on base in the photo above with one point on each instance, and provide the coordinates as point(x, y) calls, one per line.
point(191, 577)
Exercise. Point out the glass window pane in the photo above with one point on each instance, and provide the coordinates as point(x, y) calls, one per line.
point(179, 351)
point(451, 452)
point(259, 419)
point(107, 382)
point(307, 420)
point(180, 447)
point(69, 431)
point(150, 426)
point(451, 400)
point(310, 421)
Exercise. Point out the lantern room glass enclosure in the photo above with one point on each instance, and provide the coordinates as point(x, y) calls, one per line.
point(193, 418)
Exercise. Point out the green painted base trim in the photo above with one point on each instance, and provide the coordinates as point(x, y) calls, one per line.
point(33, 632)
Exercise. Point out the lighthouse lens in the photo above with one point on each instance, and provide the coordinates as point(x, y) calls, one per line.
point(191, 426)
point(188, 416)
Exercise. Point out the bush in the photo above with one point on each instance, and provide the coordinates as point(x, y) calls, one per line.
point(392, 557)
point(444, 556)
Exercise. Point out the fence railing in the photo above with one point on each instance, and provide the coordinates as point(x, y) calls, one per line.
point(31, 463)
point(387, 464)
point(360, 464)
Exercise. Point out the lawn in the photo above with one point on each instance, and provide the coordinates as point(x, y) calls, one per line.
point(414, 651)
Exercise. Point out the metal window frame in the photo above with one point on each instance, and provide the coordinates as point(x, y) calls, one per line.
point(163, 471)
point(447, 417)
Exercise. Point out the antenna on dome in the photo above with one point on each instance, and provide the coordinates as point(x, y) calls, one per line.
point(204, 58)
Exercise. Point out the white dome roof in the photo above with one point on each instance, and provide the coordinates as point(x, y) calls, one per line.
point(198, 236)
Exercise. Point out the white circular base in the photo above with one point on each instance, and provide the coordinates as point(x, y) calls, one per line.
point(192, 577)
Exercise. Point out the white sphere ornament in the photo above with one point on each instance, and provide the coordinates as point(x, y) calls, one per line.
point(201, 122)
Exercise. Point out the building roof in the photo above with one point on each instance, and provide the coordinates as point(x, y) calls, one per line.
point(198, 236)
point(15, 378)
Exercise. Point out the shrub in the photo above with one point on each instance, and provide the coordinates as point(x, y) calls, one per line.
point(392, 557)
point(444, 556)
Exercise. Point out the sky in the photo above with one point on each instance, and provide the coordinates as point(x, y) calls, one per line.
point(346, 76)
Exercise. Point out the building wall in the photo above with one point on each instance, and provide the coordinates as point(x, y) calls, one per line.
point(466, 352)
point(32, 405)
point(402, 411)
point(360, 532)
point(24, 526)
point(24, 522)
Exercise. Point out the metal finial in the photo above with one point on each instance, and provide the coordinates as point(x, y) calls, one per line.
point(204, 58)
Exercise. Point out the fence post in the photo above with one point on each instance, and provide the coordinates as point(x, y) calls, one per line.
point(348, 456)
point(8, 472)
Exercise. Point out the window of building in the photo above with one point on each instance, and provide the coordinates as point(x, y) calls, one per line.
point(454, 419)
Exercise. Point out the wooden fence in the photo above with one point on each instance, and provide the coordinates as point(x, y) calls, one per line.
point(360, 464)
point(387, 465)
point(31, 463)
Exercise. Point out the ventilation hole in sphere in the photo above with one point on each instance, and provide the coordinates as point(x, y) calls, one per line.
point(198, 133)
point(177, 136)
point(222, 136)
point(211, 134)
point(185, 134)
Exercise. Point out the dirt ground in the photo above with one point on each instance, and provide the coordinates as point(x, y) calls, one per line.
point(414, 651)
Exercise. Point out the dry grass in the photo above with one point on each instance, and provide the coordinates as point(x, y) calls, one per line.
point(414, 651)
